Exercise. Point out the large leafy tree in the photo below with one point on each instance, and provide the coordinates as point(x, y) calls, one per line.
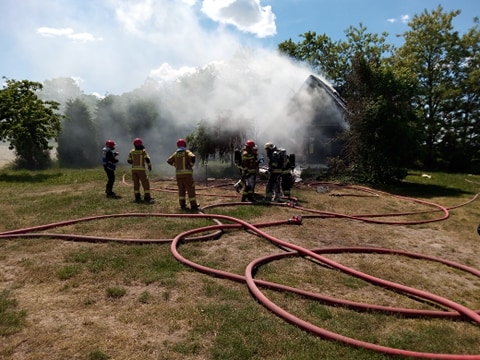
point(459, 146)
point(440, 60)
point(381, 142)
point(78, 142)
point(28, 123)
point(64, 89)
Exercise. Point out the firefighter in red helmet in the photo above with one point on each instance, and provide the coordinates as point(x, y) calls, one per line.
point(110, 161)
point(183, 160)
point(139, 158)
point(249, 170)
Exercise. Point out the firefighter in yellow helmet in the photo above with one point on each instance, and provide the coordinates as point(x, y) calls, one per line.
point(249, 170)
point(139, 158)
point(183, 160)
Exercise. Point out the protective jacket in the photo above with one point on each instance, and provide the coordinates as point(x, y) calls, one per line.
point(109, 161)
point(183, 160)
point(275, 164)
point(249, 163)
point(138, 158)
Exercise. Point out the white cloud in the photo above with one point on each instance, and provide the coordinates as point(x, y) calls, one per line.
point(50, 32)
point(246, 15)
point(126, 41)
point(403, 19)
point(66, 32)
point(166, 73)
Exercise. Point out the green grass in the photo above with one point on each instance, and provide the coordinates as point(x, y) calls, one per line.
point(12, 319)
point(137, 301)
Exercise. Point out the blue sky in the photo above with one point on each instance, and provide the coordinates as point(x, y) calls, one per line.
point(112, 46)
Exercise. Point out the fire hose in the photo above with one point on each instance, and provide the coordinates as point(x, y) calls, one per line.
point(456, 310)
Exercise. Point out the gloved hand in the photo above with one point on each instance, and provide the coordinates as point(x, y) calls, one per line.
point(116, 153)
point(149, 167)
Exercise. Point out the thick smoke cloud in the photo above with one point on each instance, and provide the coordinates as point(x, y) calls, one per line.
point(117, 46)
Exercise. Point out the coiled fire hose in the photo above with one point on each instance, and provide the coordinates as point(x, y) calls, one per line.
point(457, 311)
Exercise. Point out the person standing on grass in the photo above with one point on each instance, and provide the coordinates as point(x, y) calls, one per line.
point(272, 191)
point(139, 158)
point(109, 165)
point(249, 170)
point(183, 160)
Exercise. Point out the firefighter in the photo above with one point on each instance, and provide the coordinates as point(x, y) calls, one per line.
point(249, 170)
point(272, 191)
point(287, 177)
point(139, 158)
point(183, 160)
point(109, 165)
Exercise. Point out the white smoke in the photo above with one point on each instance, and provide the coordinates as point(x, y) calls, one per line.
point(113, 46)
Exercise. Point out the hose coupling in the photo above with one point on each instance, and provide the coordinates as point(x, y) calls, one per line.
point(295, 220)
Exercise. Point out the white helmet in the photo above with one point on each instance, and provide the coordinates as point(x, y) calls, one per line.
point(269, 145)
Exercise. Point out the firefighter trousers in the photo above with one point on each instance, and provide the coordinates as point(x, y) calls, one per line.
point(186, 186)
point(140, 178)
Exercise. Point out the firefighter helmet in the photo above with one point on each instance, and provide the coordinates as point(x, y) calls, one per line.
point(110, 144)
point(250, 144)
point(181, 143)
point(269, 146)
point(137, 142)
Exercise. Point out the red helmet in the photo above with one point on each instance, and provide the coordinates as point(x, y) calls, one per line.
point(250, 144)
point(181, 143)
point(110, 144)
point(137, 142)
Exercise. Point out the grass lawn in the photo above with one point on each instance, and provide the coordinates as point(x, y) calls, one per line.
point(103, 283)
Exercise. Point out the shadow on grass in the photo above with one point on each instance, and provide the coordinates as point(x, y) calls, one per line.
point(27, 177)
point(416, 190)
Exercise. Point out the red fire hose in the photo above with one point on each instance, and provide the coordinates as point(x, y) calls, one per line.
point(457, 311)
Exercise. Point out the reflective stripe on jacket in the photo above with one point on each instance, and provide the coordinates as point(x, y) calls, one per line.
point(183, 161)
point(249, 163)
point(138, 159)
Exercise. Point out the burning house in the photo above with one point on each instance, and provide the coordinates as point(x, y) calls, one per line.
point(322, 112)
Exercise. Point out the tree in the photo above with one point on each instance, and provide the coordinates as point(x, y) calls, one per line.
point(219, 138)
point(459, 148)
point(433, 54)
point(334, 59)
point(78, 141)
point(28, 123)
point(381, 142)
point(64, 89)
point(111, 116)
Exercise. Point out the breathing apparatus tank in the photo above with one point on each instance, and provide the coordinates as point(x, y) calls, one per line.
point(237, 157)
point(291, 158)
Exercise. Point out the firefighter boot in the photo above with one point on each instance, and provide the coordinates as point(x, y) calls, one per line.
point(138, 198)
point(183, 204)
point(148, 199)
point(244, 198)
point(250, 198)
point(194, 205)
